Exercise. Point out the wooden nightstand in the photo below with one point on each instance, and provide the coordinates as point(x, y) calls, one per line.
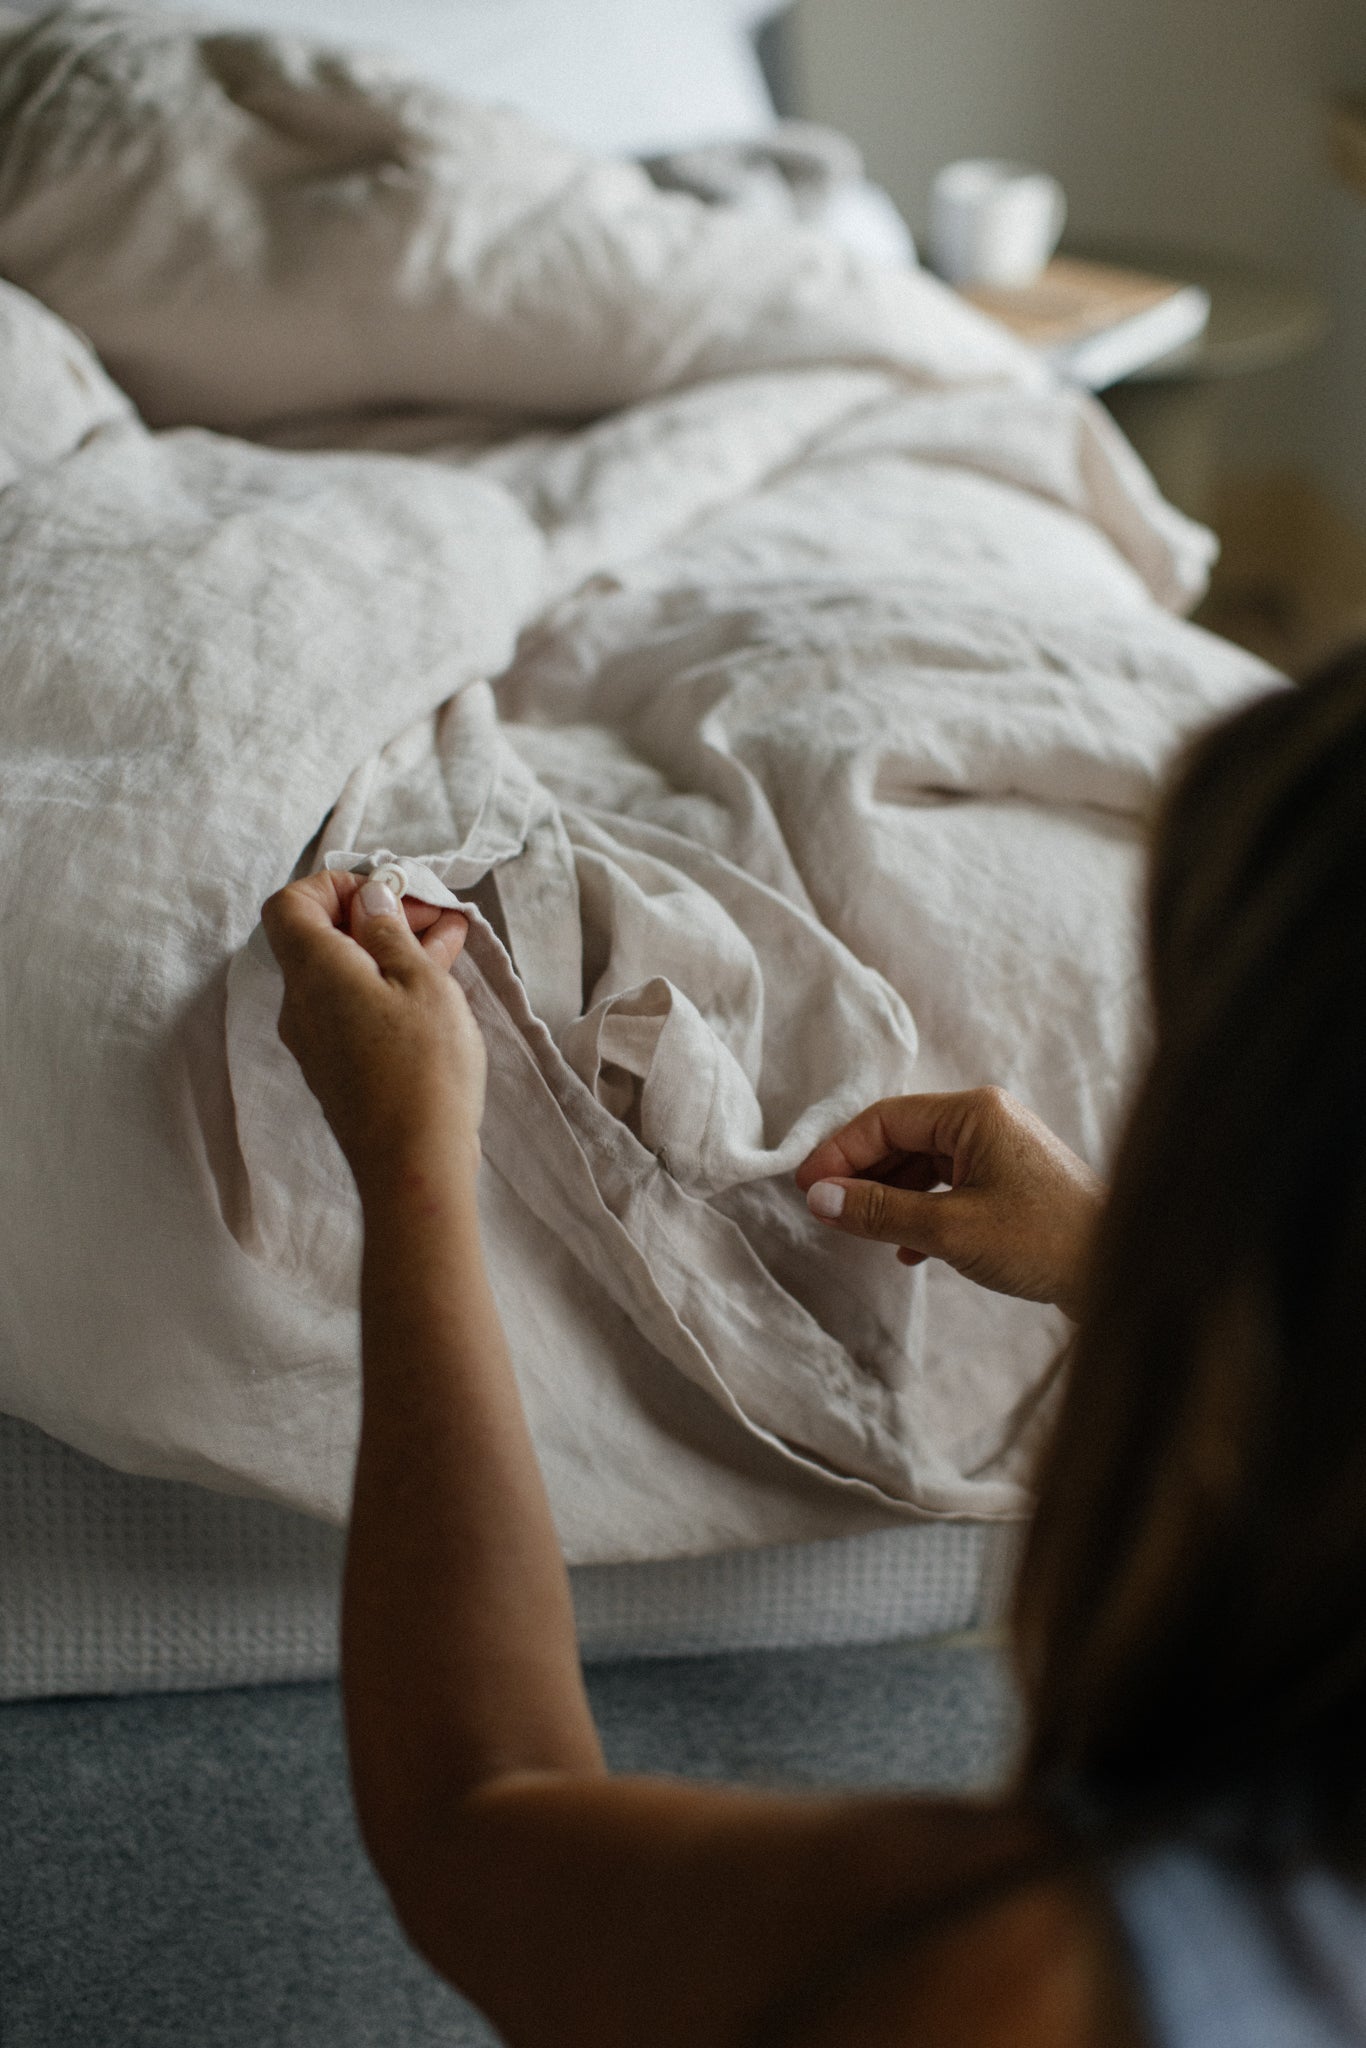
point(1171, 409)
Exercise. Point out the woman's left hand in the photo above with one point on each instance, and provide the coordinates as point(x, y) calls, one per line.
point(377, 1022)
point(974, 1179)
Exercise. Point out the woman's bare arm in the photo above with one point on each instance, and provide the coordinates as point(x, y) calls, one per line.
point(457, 1622)
point(457, 1629)
point(579, 1910)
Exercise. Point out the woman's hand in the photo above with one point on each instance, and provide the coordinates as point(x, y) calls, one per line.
point(381, 1030)
point(975, 1179)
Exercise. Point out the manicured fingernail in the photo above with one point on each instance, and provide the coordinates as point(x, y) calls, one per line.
point(377, 900)
point(826, 1199)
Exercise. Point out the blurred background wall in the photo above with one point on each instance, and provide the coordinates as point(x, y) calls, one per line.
point(1193, 122)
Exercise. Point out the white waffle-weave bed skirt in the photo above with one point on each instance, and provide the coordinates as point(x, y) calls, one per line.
point(115, 1584)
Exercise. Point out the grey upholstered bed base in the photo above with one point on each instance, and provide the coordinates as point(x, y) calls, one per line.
point(114, 1584)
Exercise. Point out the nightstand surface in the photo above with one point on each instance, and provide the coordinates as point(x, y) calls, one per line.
point(1258, 321)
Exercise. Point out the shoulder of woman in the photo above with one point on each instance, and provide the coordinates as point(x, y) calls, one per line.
point(1012, 1947)
point(600, 1913)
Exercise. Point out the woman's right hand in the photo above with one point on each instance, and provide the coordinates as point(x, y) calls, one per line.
point(975, 1179)
point(382, 1032)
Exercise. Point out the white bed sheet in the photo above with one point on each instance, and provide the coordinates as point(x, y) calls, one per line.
point(118, 1584)
point(837, 676)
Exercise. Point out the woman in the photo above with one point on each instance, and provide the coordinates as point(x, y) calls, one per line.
point(1183, 1855)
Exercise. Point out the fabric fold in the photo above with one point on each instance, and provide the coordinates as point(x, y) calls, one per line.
point(777, 668)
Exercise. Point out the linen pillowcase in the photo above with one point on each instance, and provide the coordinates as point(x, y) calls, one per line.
point(625, 77)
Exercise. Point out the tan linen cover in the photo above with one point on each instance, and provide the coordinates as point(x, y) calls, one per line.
point(776, 660)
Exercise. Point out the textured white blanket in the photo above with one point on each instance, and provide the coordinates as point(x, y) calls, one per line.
point(781, 666)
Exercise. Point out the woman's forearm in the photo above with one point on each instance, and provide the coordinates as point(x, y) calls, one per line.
point(459, 1656)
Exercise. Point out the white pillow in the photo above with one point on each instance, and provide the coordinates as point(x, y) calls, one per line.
point(630, 76)
point(752, 14)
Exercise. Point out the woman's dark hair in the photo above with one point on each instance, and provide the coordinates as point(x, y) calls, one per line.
point(1190, 1616)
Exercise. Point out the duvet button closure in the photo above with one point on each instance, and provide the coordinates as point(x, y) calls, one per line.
point(392, 876)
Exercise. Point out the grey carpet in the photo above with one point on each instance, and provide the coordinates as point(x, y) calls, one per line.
point(182, 1871)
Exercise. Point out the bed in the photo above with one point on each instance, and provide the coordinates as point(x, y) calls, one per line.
point(777, 665)
point(771, 658)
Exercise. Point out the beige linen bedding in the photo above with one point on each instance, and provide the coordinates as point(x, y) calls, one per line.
point(779, 665)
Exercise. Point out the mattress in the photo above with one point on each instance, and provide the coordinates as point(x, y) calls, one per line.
point(116, 1584)
point(788, 702)
point(772, 590)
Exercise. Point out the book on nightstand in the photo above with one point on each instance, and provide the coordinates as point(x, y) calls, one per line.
point(1097, 323)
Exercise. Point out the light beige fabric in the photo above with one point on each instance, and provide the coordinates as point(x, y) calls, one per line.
point(831, 681)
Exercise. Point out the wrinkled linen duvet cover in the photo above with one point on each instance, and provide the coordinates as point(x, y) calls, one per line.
point(779, 665)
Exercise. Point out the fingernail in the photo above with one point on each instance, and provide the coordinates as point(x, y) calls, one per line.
point(378, 900)
point(826, 1199)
